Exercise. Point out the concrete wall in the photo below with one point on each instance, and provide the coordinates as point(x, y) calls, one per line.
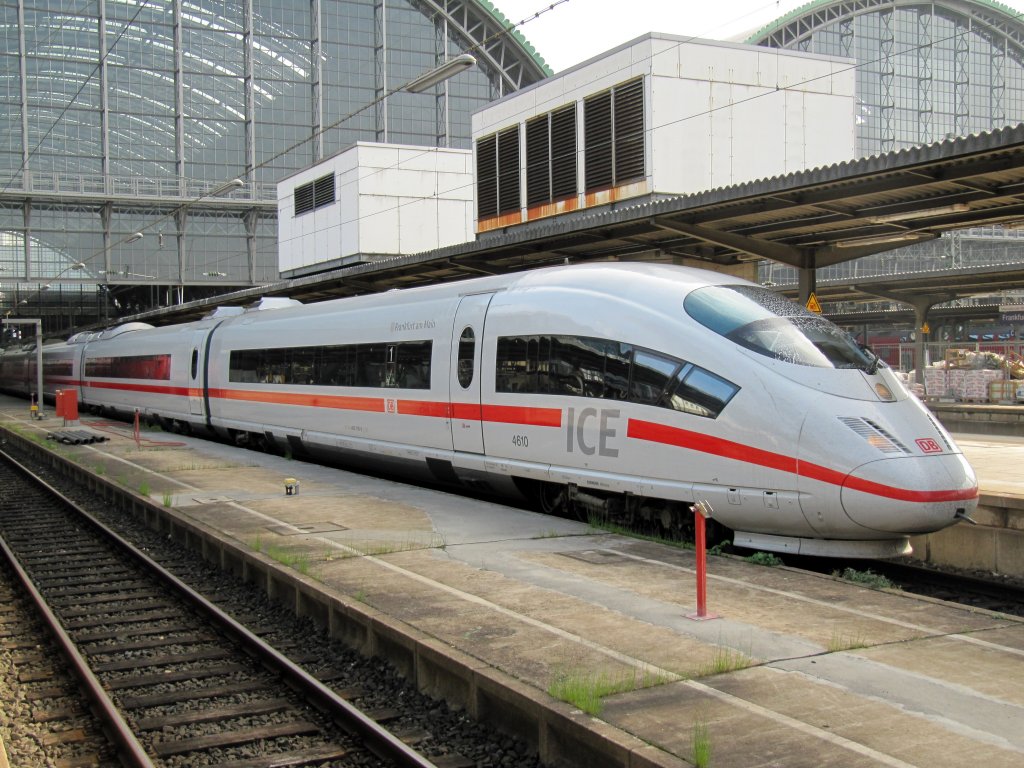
point(390, 199)
point(715, 113)
point(995, 544)
point(728, 114)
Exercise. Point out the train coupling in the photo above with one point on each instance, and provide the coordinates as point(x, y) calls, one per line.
point(962, 516)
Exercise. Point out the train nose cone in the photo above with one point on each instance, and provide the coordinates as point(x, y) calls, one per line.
point(913, 494)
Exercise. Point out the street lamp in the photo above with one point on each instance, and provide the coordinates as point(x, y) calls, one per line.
point(449, 69)
point(227, 186)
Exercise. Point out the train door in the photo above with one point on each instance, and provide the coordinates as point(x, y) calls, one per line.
point(195, 370)
point(464, 385)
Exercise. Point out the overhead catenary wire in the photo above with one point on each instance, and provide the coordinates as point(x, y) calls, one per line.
point(225, 259)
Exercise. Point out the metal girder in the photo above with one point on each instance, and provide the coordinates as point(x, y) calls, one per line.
point(988, 20)
point(762, 249)
point(489, 39)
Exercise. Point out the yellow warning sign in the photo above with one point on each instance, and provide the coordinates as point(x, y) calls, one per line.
point(925, 328)
point(813, 305)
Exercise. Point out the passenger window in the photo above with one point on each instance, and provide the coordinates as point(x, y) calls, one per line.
point(651, 375)
point(701, 393)
point(616, 371)
point(467, 351)
point(195, 363)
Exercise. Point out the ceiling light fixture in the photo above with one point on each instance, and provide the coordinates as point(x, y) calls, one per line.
point(920, 214)
point(899, 237)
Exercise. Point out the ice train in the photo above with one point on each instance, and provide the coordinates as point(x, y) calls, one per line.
point(626, 390)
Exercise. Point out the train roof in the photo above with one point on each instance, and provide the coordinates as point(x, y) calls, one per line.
point(613, 277)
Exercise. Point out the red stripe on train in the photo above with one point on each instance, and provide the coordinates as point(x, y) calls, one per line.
point(340, 402)
point(147, 388)
point(716, 446)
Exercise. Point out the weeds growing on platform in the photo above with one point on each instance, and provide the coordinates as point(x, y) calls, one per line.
point(764, 558)
point(725, 660)
point(843, 642)
point(865, 578)
point(585, 689)
point(298, 561)
point(701, 744)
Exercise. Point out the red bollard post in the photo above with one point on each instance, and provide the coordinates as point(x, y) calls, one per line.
point(701, 511)
point(135, 430)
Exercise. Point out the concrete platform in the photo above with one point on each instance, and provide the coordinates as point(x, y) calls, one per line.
point(996, 543)
point(491, 607)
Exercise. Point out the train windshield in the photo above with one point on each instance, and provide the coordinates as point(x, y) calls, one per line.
point(772, 325)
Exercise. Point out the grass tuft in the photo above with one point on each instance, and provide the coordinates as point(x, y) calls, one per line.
point(298, 561)
point(841, 641)
point(725, 660)
point(865, 578)
point(701, 744)
point(764, 558)
point(585, 689)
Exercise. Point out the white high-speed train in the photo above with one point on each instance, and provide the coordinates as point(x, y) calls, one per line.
point(626, 390)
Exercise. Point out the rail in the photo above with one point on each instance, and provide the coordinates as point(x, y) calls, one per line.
point(27, 513)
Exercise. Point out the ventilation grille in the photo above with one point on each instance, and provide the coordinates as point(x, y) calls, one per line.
point(538, 167)
point(487, 177)
point(508, 170)
point(315, 194)
point(563, 152)
point(597, 131)
point(876, 435)
point(629, 132)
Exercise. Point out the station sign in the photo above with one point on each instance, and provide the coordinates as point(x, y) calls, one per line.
point(1011, 313)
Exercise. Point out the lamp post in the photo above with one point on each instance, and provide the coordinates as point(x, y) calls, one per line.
point(440, 73)
point(39, 354)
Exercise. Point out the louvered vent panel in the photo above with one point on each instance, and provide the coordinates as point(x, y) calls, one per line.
point(323, 191)
point(304, 199)
point(597, 126)
point(508, 170)
point(629, 132)
point(563, 152)
point(887, 435)
point(538, 168)
point(876, 435)
point(486, 177)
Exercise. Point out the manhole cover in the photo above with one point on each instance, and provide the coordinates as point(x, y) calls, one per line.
point(594, 556)
point(302, 528)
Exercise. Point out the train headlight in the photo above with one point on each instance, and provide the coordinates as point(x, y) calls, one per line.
point(884, 393)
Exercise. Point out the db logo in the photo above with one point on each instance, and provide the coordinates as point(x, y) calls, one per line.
point(927, 445)
point(391, 406)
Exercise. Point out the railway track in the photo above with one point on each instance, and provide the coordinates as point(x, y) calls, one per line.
point(43, 712)
point(174, 680)
point(991, 593)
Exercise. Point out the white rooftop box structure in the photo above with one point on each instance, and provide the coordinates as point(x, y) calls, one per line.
point(661, 115)
point(373, 201)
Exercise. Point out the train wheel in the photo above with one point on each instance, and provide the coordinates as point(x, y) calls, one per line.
point(551, 498)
